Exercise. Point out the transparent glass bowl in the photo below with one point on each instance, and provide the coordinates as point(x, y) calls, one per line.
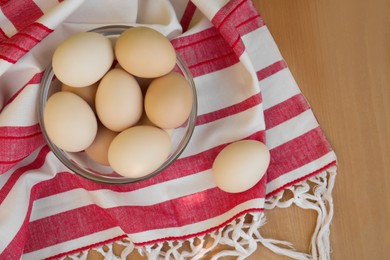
point(79, 162)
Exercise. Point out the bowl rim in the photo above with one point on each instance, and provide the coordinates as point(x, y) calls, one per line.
point(44, 88)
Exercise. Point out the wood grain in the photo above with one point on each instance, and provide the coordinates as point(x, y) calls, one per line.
point(339, 53)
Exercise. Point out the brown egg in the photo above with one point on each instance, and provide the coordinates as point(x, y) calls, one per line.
point(145, 52)
point(119, 101)
point(168, 101)
point(98, 150)
point(87, 93)
point(139, 150)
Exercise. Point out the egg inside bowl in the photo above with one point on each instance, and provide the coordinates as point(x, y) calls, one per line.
point(81, 163)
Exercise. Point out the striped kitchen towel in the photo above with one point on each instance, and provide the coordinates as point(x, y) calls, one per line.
point(245, 91)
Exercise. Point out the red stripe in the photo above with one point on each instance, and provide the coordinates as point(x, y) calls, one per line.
point(230, 110)
point(185, 237)
point(19, 137)
point(7, 45)
point(229, 21)
point(173, 213)
point(13, 151)
point(24, 40)
point(21, 13)
point(216, 53)
point(13, 162)
point(250, 25)
point(187, 15)
point(36, 79)
point(285, 110)
point(44, 30)
point(198, 37)
point(208, 34)
point(29, 36)
point(68, 225)
point(36, 164)
point(271, 69)
point(205, 52)
point(322, 169)
point(8, 59)
point(19, 143)
point(18, 131)
point(297, 152)
point(226, 11)
point(213, 64)
point(256, 19)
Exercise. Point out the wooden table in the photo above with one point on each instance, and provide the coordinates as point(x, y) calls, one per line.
point(339, 53)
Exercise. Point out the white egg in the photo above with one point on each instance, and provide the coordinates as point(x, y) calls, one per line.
point(82, 59)
point(240, 165)
point(69, 121)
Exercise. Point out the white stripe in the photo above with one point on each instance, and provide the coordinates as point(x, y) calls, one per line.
point(4, 66)
point(6, 25)
point(13, 209)
point(291, 129)
point(198, 24)
point(278, 88)
point(224, 130)
point(224, 87)
point(300, 172)
point(196, 227)
point(147, 196)
point(46, 5)
point(21, 111)
point(75, 243)
point(59, 12)
point(261, 47)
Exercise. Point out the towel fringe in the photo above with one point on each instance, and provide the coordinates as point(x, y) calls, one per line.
point(241, 237)
point(314, 194)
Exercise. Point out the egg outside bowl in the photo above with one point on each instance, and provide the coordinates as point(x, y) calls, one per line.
point(79, 162)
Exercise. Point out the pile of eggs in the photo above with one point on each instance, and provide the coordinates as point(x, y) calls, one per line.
point(122, 115)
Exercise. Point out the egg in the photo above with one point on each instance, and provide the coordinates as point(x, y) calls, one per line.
point(119, 100)
point(240, 165)
point(70, 122)
point(82, 59)
point(168, 100)
point(87, 93)
point(98, 150)
point(139, 150)
point(145, 52)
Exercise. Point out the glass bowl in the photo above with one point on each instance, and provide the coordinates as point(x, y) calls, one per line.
point(79, 162)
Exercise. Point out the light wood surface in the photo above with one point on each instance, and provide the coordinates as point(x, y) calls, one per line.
point(339, 53)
